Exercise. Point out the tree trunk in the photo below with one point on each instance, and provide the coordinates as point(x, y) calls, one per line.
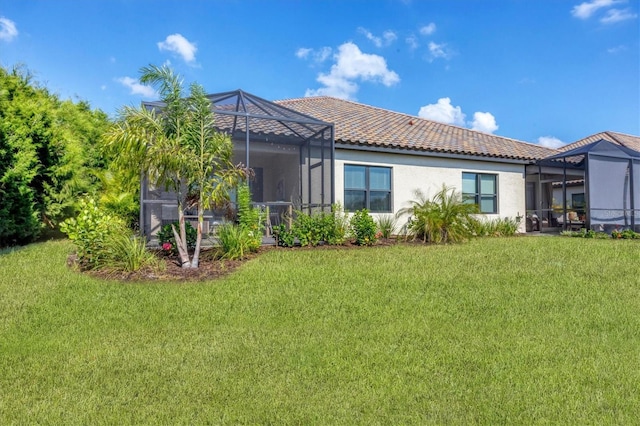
point(181, 239)
point(196, 253)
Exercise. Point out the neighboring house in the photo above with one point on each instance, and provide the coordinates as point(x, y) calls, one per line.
point(311, 152)
point(601, 175)
point(627, 141)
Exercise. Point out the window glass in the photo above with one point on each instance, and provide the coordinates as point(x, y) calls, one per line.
point(469, 183)
point(355, 177)
point(354, 200)
point(488, 205)
point(379, 178)
point(367, 187)
point(487, 184)
point(480, 189)
point(380, 201)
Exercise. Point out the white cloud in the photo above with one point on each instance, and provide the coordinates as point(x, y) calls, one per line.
point(351, 65)
point(484, 122)
point(136, 88)
point(319, 55)
point(617, 49)
point(587, 9)
point(176, 43)
point(8, 29)
point(412, 42)
point(550, 142)
point(617, 15)
point(437, 51)
point(428, 29)
point(303, 52)
point(387, 38)
point(443, 112)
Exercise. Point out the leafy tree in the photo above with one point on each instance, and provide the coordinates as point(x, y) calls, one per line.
point(47, 150)
point(178, 148)
point(441, 219)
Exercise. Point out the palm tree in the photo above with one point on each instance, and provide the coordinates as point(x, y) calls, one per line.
point(441, 219)
point(178, 148)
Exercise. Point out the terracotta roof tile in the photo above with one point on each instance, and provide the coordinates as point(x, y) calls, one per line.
point(629, 141)
point(361, 124)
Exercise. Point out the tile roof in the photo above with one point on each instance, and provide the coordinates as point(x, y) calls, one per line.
point(629, 141)
point(365, 125)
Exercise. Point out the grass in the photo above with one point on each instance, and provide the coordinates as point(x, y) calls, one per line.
point(518, 330)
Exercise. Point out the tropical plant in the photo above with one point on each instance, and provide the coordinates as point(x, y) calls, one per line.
point(250, 218)
point(498, 227)
point(442, 219)
point(363, 228)
point(386, 225)
point(124, 251)
point(178, 148)
point(234, 240)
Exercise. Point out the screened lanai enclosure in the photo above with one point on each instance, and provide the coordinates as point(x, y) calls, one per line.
point(595, 186)
point(291, 155)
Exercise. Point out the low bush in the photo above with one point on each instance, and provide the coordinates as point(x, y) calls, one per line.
point(626, 234)
point(124, 251)
point(312, 229)
point(250, 219)
point(90, 231)
point(235, 241)
point(386, 225)
point(284, 237)
point(584, 233)
point(363, 228)
point(499, 227)
point(167, 240)
point(443, 218)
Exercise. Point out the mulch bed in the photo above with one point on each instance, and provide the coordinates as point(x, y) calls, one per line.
point(209, 266)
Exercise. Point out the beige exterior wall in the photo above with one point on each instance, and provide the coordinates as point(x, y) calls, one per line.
point(411, 172)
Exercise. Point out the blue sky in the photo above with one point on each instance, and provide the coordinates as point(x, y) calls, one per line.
point(542, 71)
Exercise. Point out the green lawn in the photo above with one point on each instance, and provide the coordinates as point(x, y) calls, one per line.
point(519, 330)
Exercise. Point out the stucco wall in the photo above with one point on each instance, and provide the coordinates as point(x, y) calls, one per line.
point(411, 172)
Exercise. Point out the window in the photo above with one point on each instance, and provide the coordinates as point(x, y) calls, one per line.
point(367, 187)
point(480, 189)
point(578, 202)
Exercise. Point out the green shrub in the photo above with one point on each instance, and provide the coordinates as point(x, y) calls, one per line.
point(250, 218)
point(336, 225)
point(165, 236)
point(124, 251)
point(234, 240)
point(499, 227)
point(284, 237)
point(386, 225)
point(627, 234)
point(441, 219)
point(90, 231)
point(363, 227)
point(584, 233)
point(308, 229)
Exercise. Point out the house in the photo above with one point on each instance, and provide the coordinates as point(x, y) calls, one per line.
point(382, 157)
point(309, 153)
